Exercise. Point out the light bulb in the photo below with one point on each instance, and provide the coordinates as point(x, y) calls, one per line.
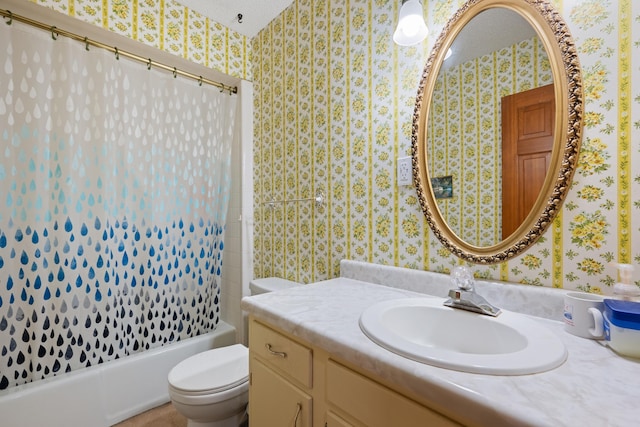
point(411, 28)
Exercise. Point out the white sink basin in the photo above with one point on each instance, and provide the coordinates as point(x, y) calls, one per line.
point(424, 330)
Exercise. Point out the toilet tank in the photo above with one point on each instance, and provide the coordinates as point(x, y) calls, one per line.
point(270, 284)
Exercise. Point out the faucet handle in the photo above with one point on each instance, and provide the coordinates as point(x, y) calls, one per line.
point(462, 278)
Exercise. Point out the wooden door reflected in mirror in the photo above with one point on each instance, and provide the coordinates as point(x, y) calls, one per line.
point(528, 120)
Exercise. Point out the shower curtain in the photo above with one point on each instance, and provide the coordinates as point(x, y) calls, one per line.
point(114, 189)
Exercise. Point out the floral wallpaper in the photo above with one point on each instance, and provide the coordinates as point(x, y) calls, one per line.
point(166, 25)
point(333, 108)
point(465, 122)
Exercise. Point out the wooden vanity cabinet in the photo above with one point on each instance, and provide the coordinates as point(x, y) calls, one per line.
point(280, 379)
point(296, 384)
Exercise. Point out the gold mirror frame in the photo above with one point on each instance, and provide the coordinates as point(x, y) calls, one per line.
point(556, 39)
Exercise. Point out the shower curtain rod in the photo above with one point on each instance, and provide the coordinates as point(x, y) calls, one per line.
point(55, 32)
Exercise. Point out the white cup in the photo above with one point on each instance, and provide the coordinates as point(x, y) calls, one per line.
point(583, 314)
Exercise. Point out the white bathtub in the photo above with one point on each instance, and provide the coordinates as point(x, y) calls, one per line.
point(105, 394)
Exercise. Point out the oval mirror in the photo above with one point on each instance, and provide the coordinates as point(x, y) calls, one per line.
point(497, 127)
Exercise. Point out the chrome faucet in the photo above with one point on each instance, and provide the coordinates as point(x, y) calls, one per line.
point(465, 297)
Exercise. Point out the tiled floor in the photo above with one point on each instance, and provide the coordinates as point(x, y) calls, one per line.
point(162, 416)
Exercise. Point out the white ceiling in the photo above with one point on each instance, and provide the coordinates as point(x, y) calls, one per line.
point(256, 14)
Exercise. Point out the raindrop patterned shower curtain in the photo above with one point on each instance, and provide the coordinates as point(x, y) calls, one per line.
point(114, 189)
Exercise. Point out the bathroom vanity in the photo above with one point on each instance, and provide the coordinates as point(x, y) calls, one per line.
point(293, 382)
point(310, 360)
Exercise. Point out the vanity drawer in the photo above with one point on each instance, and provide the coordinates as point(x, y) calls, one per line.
point(285, 355)
point(375, 405)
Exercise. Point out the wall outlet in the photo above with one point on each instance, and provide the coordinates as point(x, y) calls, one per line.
point(405, 172)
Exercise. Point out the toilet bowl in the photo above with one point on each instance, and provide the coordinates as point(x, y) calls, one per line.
point(211, 389)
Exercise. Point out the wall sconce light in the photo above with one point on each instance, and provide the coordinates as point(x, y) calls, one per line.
point(411, 28)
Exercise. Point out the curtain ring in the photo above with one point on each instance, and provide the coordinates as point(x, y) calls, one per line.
point(175, 72)
point(86, 43)
point(117, 53)
point(10, 17)
point(54, 34)
point(200, 81)
point(149, 64)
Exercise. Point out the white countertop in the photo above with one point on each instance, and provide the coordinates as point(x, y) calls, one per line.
point(594, 387)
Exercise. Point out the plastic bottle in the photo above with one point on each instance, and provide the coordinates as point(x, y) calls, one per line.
point(625, 289)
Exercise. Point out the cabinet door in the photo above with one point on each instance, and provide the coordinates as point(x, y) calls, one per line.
point(373, 404)
point(275, 401)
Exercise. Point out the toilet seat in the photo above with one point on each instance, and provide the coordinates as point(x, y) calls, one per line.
point(213, 371)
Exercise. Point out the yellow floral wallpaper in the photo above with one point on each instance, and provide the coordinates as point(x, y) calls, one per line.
point(169, 26)
point(333, 107)
point(465, 122)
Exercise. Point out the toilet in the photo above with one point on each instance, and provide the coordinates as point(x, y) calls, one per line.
point(211, 389)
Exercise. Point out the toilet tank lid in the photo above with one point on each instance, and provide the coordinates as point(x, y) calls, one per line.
point(212, 370)
point(271, 284)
